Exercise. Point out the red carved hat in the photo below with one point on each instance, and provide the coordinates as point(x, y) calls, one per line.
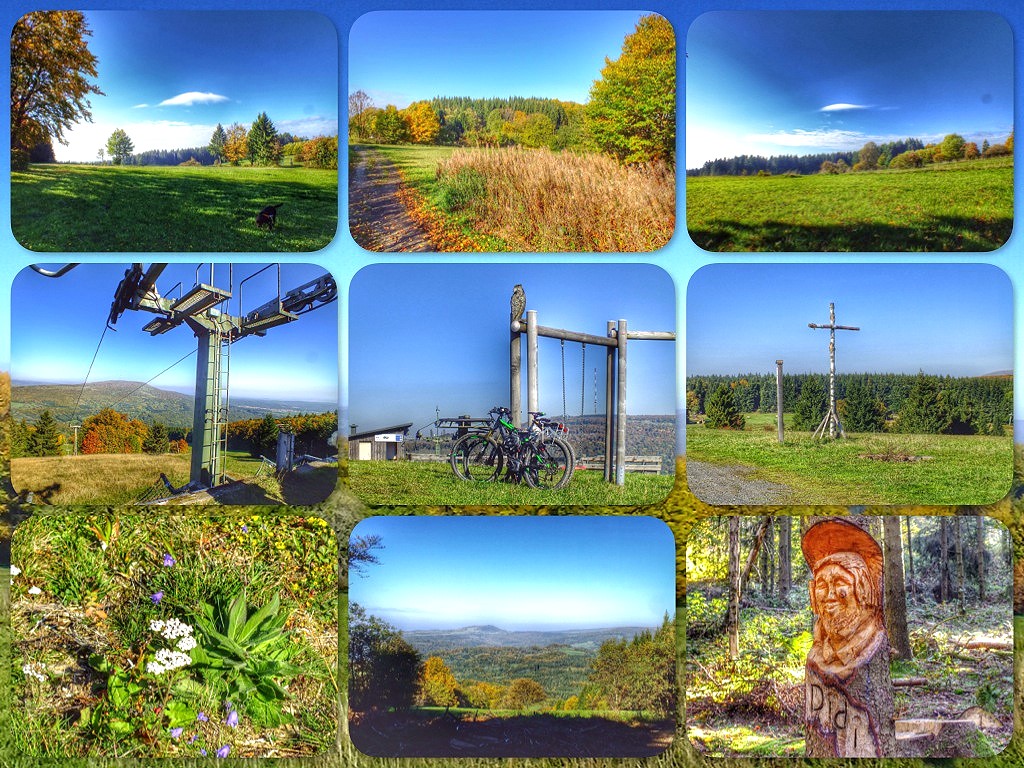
point(835, 535)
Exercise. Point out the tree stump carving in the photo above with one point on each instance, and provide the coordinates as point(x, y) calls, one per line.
point(848, 695)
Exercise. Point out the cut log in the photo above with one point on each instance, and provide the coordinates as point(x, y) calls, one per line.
point(989, 644)
point(907, 682)
point(927, 737)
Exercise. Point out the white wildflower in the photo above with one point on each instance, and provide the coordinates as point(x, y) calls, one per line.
point(15, 571)
point(35, 591)
point(35, 669)
point(175, 628)
point(172, 659)
point(155, 668)
point(156, 625)
point(187, 643)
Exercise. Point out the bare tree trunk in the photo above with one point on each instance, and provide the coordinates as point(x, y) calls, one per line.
point(910, 560)
point(980, 552)
point(943, 560)
point(785, 557)
point(895, 589)
point(732, 621)
point(958, 541)
point(768, 560)
point(762, 529)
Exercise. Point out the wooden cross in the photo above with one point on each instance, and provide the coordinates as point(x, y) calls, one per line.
point(831, 421)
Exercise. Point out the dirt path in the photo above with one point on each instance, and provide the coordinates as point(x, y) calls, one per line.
point(718, 484)
point(377, 219)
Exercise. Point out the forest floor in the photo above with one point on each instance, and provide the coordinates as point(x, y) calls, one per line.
point(733, 484)
point(377, 217)
point(754, 706)
point(540, 735)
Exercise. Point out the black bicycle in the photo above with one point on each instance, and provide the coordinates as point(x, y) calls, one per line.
point(538, 455)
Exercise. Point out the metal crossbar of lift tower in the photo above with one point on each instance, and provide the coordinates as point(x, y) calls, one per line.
point(520, 326)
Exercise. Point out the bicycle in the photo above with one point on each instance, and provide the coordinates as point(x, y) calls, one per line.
point(536, 455)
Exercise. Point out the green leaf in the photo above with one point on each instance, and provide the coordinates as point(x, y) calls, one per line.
point(178, 714)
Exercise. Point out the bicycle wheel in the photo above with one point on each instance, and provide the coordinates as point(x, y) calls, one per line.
point(549, 465)
point(476, 457)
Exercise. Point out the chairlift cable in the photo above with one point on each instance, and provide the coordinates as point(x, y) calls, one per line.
point(81, 392)
point(165, 370)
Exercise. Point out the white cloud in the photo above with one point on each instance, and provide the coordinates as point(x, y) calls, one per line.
point(842, 107)
point(823, 138)
point(308, 127)
point(192, 97)
point(140, 106)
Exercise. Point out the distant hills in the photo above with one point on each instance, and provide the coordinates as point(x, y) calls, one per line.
point(560, 660)
point(137, 400)
point(430, 640)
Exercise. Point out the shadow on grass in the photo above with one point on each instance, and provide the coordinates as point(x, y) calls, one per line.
point(155, 209)
point(935, 233)
point(540, 735)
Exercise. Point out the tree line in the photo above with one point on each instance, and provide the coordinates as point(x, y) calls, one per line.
point(387, 673)
point(867, 402)
point(630, 114)
point(111, 431)
point(899, 154)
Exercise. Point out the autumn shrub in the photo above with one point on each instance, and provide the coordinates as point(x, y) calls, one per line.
point(320, 152)
point(538, 200)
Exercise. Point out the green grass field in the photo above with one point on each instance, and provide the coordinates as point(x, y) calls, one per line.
point(408, 482)
point(172, 208)
point(963, 206)
point(962, 470)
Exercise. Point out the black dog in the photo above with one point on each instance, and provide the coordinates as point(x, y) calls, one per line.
point(268, 216)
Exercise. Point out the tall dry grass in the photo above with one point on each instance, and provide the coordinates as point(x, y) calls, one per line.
point(538, 200)
point(102, 478)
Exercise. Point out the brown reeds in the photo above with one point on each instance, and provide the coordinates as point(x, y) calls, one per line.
point(538, 200)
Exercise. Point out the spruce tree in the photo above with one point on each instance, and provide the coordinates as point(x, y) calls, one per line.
point(46, 439)
point(265, 438)
point(156, 440)
point(922, 412)
point(217, 142)
point(263, 146)
point(721, 410)
point(863, 412)
point(811, 406)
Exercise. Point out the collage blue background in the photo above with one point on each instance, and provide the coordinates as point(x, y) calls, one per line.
point(680, 258)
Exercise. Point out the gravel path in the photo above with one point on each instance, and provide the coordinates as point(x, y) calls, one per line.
point(718, 484)
point(377, 219)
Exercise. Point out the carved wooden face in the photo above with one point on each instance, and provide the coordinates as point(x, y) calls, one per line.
point(836, 599)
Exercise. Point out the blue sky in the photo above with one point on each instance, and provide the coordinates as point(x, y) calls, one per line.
point(954, 319)
point(437, 335)
point(518, 572)
point(170, 76)
point(802, 82)
point(398, 57)
point(57, 323)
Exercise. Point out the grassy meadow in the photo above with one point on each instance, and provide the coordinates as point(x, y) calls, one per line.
point(414, 482)
point(959, 469)
point(120, 479)
point(172, 208)
point(961, 206)
point(516, 199)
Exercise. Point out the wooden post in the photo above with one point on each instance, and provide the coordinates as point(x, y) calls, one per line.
point(778, 397)
point(515, 383)
point(848, 691)
point(531, 362)
point(609, 408)
point(620, 410)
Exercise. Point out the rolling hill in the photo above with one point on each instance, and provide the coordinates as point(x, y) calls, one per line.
point(137, 400)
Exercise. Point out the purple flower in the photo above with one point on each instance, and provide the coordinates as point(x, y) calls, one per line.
point(202, 717)
point(202, 752)
point(245, 529)
point(176, 733)
point(232, 720)
point(169, 561)
point(224, 751)
point(192, 738)
point(156, 597)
